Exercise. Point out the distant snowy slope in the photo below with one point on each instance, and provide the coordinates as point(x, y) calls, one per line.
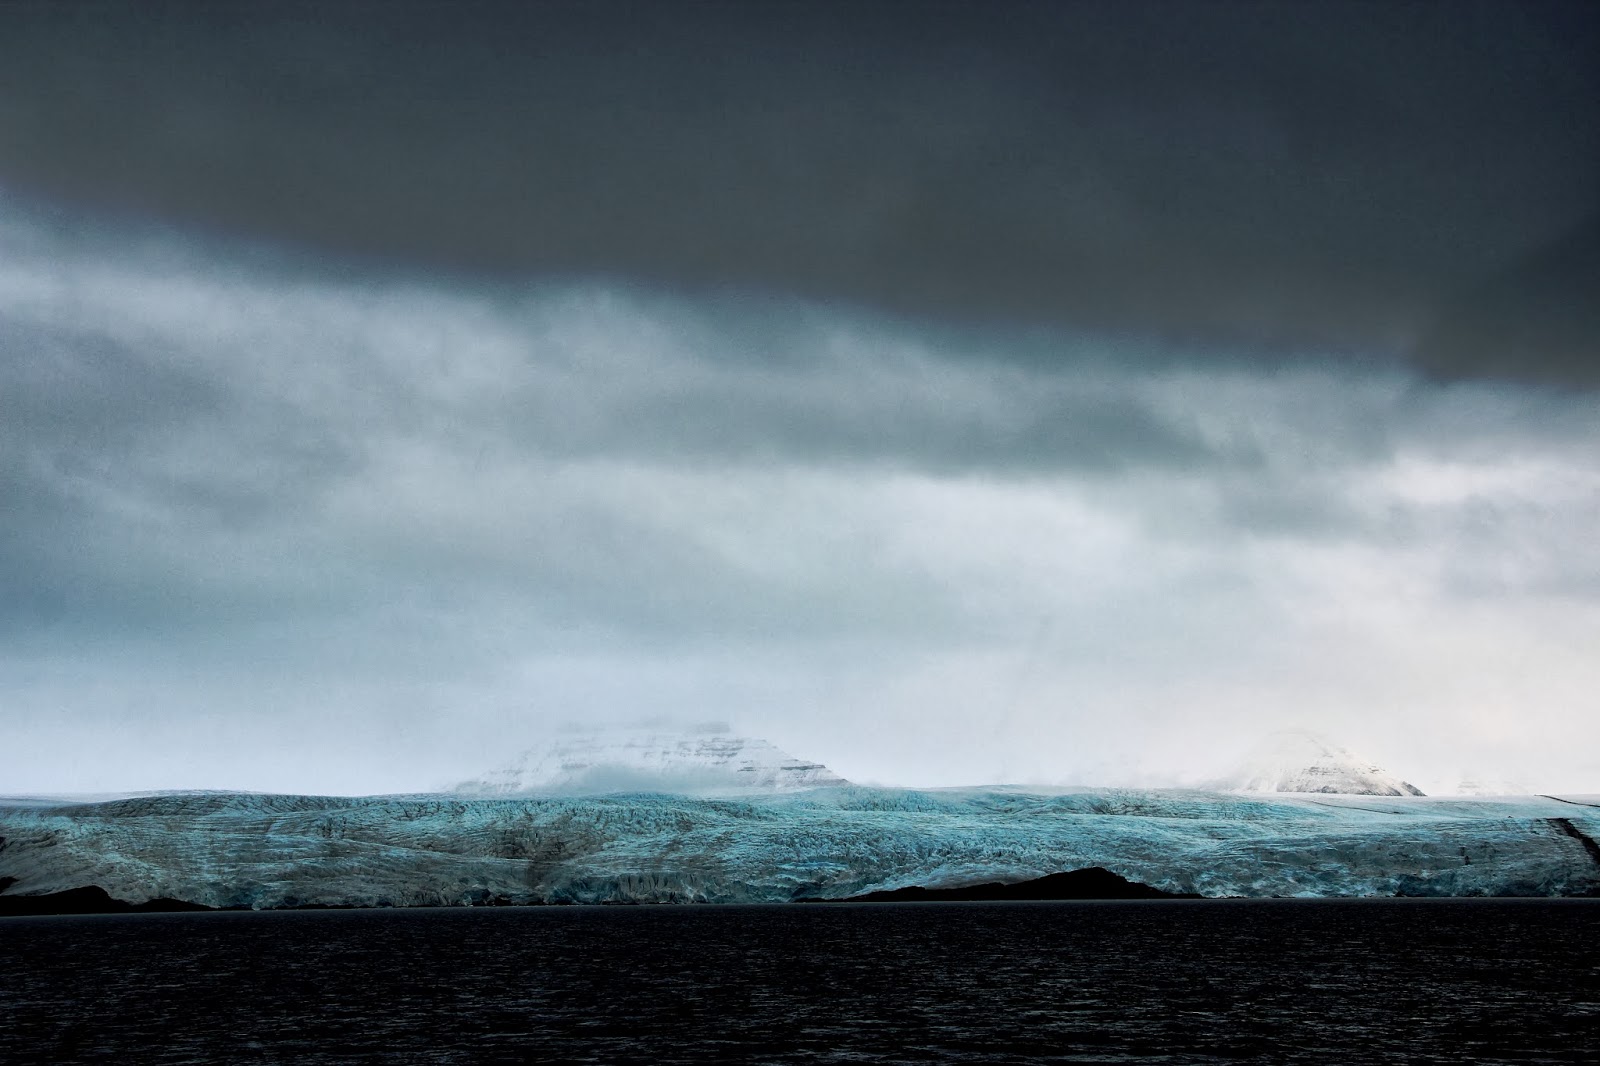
point(1298, 761)
point(690, 763)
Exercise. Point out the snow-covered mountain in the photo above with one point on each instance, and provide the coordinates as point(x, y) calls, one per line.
point(1298, 761)
point(699, 763)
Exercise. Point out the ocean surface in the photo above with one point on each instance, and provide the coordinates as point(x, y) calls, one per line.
point(1277, 981)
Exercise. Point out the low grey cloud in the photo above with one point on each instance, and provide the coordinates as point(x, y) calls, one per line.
point(271, 524)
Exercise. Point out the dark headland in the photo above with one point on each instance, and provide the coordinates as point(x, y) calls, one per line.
point(1096, 882)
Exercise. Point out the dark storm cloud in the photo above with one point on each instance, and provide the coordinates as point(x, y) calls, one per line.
point(1265, 178)
point(1538, 319)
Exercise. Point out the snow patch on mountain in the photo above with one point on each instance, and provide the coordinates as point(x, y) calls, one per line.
point(699, 763)
point(1299, 761)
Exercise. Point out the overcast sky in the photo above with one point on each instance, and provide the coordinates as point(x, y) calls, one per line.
point(949, 393)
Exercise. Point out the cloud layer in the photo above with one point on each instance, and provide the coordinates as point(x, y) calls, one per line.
point(270, 524)
point(1265, 181)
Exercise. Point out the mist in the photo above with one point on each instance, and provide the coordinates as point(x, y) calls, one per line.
point(274, 525)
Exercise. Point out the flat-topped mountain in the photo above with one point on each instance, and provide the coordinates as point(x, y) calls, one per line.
point(1298, 761)
point(652, 761)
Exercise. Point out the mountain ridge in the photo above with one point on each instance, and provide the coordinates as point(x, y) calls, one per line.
point(706, 762)
point(1297, 760)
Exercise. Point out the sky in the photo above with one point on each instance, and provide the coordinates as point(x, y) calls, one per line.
point(950, 393)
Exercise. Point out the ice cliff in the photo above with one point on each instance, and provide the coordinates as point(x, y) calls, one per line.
point(249, 850)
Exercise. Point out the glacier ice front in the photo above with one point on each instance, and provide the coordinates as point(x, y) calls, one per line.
point(706, 762)
point(263, 851)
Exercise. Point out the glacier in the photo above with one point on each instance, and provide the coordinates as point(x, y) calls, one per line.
point(262, 851)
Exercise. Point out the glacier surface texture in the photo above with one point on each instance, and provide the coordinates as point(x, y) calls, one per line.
point(267, 851)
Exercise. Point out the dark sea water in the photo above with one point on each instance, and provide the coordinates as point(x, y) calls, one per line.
point(1169, 981)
